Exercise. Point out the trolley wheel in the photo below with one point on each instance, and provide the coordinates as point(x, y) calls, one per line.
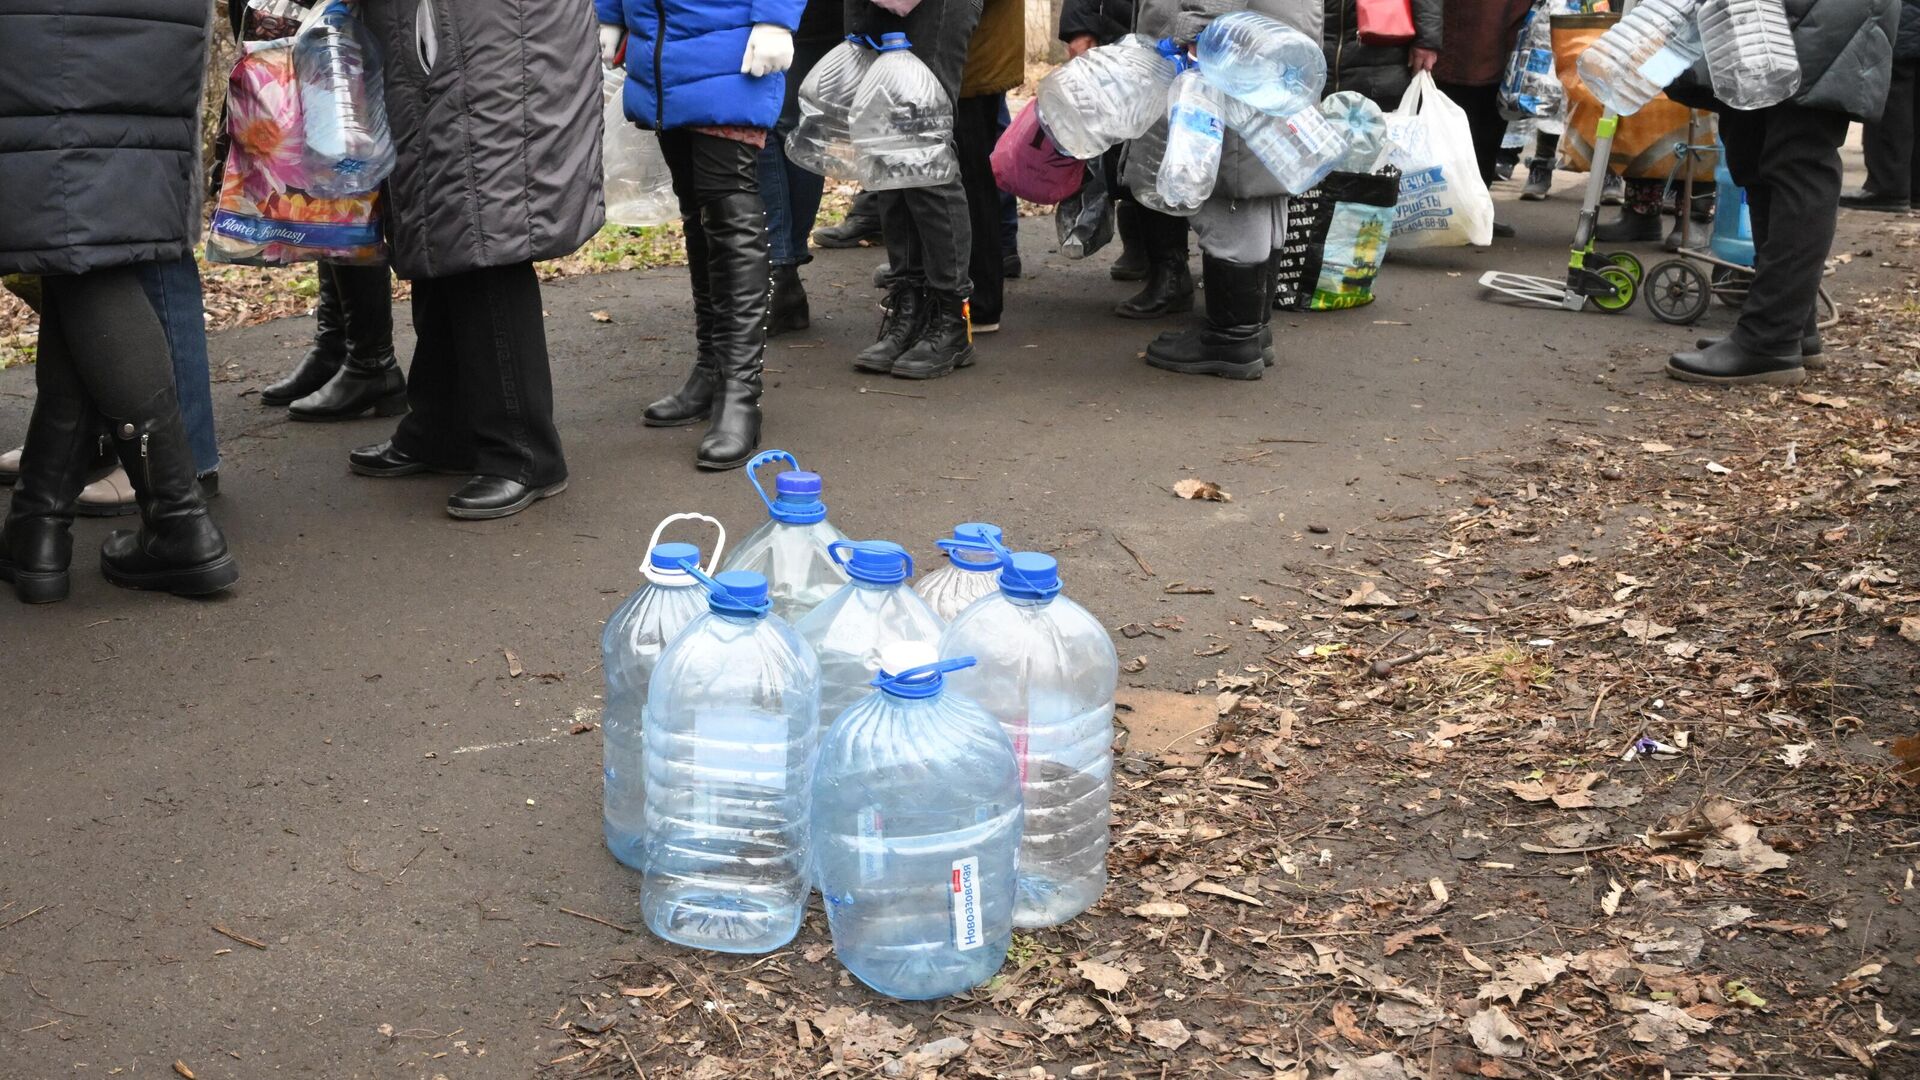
point(1677, 292)
point(1629, 262)
point(1624, 290)
point(1730, 285)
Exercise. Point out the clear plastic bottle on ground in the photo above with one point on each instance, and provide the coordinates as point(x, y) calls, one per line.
point(1196, 130)
point(732, 726)
point(1105, 96)
point(916, 831)
point(877, 608)
point(630, 647)
point(1365, 127)
point(972, 570)
point(1263, 62)
point(1637, 57)
point(1749, 50)
point(902, 122)
point(1047, 673)
point(1299, 150)
point(822, 140)
point(349, 148)
point(790, 550)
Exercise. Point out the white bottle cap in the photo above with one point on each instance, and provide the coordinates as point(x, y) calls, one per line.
point(901, 656)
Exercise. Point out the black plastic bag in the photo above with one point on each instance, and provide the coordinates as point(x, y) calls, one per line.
point(1084, 221)
point(1336, 240)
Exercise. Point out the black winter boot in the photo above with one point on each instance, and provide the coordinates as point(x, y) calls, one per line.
point(177, 548)
point(901, 326)
point(36, 548)
point(1634, 226)
point(788, 310)
point(1132, 263)
point(736, 228)
point(693, 402)
point(1229, 345)
point(860, 229)
point(1169, 288)
point(324, 357)
point(370, 379)
point(945, 342)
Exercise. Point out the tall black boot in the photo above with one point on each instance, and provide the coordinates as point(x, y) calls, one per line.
point(945, 342)
point(900, 327)
point(324, 356)
point(1169, 288)
point(1132, 263)
point(693, 402)
point(36, 548)
point(737, 250)
point(177, 548)
point(1229, 344)
point(788, 310)
point(370, 379)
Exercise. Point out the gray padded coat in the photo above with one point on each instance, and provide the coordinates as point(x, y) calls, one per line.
point(1846, 58)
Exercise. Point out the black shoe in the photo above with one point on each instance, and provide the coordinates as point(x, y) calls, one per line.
point(384, 460)
point(1010, 267)
point(1727, 364)
point(1230, 344)
point(1503, 231)
point(36, 546)
point(900, 327)
point(737, 249)
point(855, 231)
point(1503, 170)
point(484, 498)
point(788, 309)
point(353, 392)
point(1539, 181)
point(693, 402)
point(1132, 263)
point(1631, 227)
point(1813, 349)
point(945, 342)
point(177, 549)
point(1867, 199)
point(370, 379)
point(1169, 287)
point(1672, 241)
point(324, 357)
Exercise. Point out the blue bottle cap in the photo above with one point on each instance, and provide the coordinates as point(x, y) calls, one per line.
point(876, 562)
point(913, 670)
point(890, 42)
point(979, 543)
point(740, 593)
point(796, 492)
point(1029, 575)
point(670, 557)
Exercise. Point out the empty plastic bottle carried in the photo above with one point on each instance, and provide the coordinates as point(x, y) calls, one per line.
point(1263, 62)
point(349, 148)
point(902, 122)
point(1047, 673)
point(1749, 48)
point(822, 140)
point(790, 550)
point(1196, 130)
point(1299, 150)
point(916, 830)
point(1357, 117)
point(1106, 96)
point(1637, 57)
point(875, 609)
point(972, 570)
point(639, 185)
point(733, 722)
point(630, 647)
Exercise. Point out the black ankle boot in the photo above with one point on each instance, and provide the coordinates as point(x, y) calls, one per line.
point(327, 353)
point(1169, 288)
point(946, 341)
point(370, 379)
point(737, 249)
point(177, 548)
point(1132, 263)
point(1632, 227)
point(693, 402)
point(788, 309)
point(906, 316)
point(36, 548)
point(1229, 345)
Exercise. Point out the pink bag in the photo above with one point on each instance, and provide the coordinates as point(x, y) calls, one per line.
point(1385, 22)
point(1026, 164)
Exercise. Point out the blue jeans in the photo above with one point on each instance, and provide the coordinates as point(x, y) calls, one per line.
point(792, 195)
point(173, 288)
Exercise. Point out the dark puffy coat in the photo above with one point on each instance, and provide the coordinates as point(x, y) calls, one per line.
point(499, 141)
point(99, 132)
point(1846, 58)
point(1479, 36)
point(1378, 71)
point(683, 60)
point(1907, 45)
point(1106, 21)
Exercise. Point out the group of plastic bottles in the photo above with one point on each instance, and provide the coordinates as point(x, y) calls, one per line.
point(349, 148)
point(874, 113)
point(1748, 45)
point(936, 760)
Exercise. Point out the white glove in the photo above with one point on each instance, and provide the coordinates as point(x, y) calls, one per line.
point(610, 38)
point(769, 49)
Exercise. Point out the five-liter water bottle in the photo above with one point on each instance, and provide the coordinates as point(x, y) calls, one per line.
point(822, 141)
point(1637, 57)
point(630, 648)
point(733, 722)
point(1299, 150)
point(972, 570)
point(1196, 130)
point(349, 148)
point(902, 122)
point(1364, 126)
point(875, 609)
point(1263, 62)
point(1047, 673)
point(916, 832)
point(1107, 95)
point(790, 550)
point(1750, 55)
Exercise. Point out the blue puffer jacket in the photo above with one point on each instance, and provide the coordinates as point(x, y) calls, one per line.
point(683, 60)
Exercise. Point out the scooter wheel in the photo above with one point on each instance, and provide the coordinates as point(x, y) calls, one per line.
point(1624, 290)
point(1628, 262)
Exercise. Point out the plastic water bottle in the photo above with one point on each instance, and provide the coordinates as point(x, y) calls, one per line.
point(1107, 95)
point(630, 647)
point(1263, 62)
point(1750, 55)
point(1299, 150)
point(1047, 672)
point(972, 570)
point(902, 122)
point(1637, 57)
point(1732, 218)
point(349, 146)
point(733, 723)
point(916, 829)
point(1365, 127)
point(1530, 89)
point(822, 141)
point(639, 185)
point(1196, 130)
point(855, 625)
point(790, 550)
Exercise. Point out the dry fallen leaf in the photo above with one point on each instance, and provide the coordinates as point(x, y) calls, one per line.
point(1906, 752)
point(1568, 791)
point(1656, 448)
point(514, 670)
point(1741, 849)
point(1381, 1066)
point(1475, 962)
point(600, 316)
point(1074, 1014)
point(1830, 401)
point(1407, 1020)
point(1610, 903)
point(1496, 1034)
point(1216, 889)
point(1201, 490)
point(1521, 974)
point(1405, 938)
point(1645, 629)
point(1345, 1022)
point(181, 1068)
point(1168, 1034)
point(1794, 755)
point(1665, 1026)
point(1597, 617)
point(1910, 629)
point(1366, 595)
point(862, 1035)
point(1104, 977)
point(1161, 909)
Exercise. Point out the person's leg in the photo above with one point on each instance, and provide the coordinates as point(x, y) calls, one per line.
point(324, 356)
point(693, 402)
point(1888, 147)
point(173, 288)
point(1237, 240)
point(435, 434)
point(788, 309)
point(906, 283)
point(1546, 147)
point(860, 228)
point(1009, 205)
point(1169, 285)
point(974, 132)
point(731, 215)
point(506, 388)
point(1639, 220)
point(36, 544)
point(370, 380)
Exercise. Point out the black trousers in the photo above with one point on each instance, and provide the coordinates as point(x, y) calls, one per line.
point(101, 343)
point(708, 167)
point(1482, 106)
point(1892, 152)
point(976, 127)
point(480, 385)
point(1788, 159)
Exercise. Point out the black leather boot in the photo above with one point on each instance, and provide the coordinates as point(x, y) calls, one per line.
point(1634, 226)
point(1229, 344)
point(327, 353)
point(1726, 363)
point(693, 402)
point(1169, 288)
point(860, 229)
point(177, 548)
point(788, 309)
point(737, 250)
point(36, 548)
point(906, 316)
point(370, 379)
point(1132, 263)
point(945, 343)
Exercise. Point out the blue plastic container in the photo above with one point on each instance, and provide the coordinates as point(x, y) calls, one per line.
point(1732, 223)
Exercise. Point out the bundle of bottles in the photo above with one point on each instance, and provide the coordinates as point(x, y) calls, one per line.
point(936, 759)
point(347, 146)
point(1247, 73)
point(1748, 45)
point(872, 112)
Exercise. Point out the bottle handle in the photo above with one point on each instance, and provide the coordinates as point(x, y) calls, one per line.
point(833, 552)
point(760, 459)
point(938, 667)
point(719, 546)
point(714, 587)
point(1005, 555)
point(955, 544)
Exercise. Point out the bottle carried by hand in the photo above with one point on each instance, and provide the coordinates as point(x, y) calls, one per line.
point(1196, 130)
point(1637, 57)
point(1365, 127)
point(1105, 96)
point(876, 609)
point(1263, 62)
point(1750, 53)
point(349, 148)
point(1299, 150)
point(790, 550)
point(902, 122)
point(822, 140)
point(972, 570)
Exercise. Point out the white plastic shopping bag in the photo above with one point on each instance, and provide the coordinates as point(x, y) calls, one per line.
point(1443, 201)
point(639, 186)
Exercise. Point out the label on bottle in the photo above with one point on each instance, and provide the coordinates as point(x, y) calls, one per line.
point(967, 931)
point(1313, 131)
point(1664, 66)
point(1198, 121)
point(873, 859)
